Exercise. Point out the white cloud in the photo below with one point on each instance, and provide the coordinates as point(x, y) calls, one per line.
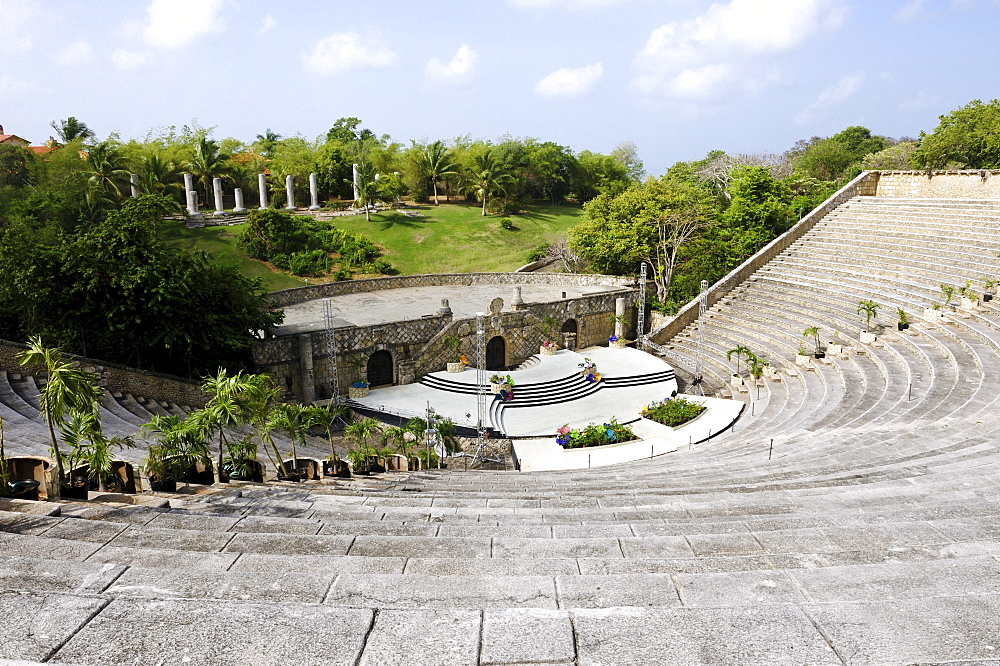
point(13, 87)
point(461, 68)
point(833, 96)
point(567, 4)
point(730, 43)
point(173, 24)
point(18, 16)
point(571, 83)
point(126, 60)
point(77, 53)
point(266, 24)
point(348, 50)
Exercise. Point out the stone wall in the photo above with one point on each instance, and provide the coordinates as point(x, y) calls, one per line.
point(116, 378)
point(300, 362)
point(866, 184)
point(312, 292)
point(980, 184)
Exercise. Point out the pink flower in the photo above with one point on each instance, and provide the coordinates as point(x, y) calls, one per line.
point(563, 430)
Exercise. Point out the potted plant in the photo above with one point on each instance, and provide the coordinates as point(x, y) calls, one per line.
point(549, 327)
point(588, 370)
point(835, 346)
point(869, 309)
point(989, 289)
point(757, 367)
point(802, 355)
point(240, 461)
point(616, 341)
point(361, 451)
point(949, 293)
point(453, 344)
point(813, 332)
point(359, 387)
point(496, 381)
point(739, 352)
point(904, 319)
point(933, 312)
point(970, 299)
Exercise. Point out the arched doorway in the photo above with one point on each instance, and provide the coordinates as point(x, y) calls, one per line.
point(569, 326)
point(496, 353)
point(380, 368)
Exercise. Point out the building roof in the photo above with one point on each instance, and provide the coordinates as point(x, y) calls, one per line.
point(13, 139)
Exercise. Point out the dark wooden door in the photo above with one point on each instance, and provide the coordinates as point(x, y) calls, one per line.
point(496, 354)
point(380, 368)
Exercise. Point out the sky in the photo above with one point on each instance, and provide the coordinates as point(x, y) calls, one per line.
point(677, 78)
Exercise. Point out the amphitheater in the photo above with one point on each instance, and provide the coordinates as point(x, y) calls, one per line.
point(850, 516)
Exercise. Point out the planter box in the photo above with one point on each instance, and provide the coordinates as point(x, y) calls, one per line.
point(835, 349)
point(618, 344)
point(736, 380)
point(495, 388)
point(803, 360)
point(931, 313)
point(355, 393)
point(970, 303)
point(456, 367)
point(548, 351)
point(868, 338)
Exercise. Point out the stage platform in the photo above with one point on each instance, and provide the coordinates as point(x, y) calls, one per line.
point(548, 394)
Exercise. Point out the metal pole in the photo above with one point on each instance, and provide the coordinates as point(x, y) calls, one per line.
point(909, 393)
point(331, 351)
point(770, 449)
point(641, 333)
point(702, 308)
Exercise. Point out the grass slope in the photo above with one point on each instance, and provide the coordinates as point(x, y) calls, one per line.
point(450, 238)
point(456, 238)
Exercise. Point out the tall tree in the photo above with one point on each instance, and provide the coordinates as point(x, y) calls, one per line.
point(968, 137)
point(207, 163)
point(488, 177)
point(438, 163)
point(71, 129)
point(107, 171)
point(267, 141)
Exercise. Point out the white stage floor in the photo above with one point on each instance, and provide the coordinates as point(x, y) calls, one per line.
point(621, 401)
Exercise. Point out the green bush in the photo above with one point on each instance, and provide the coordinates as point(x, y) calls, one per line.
point(538, 253)
point(384, 267)
point(309, 264)
point(595, 435)
point(506, 224)
point(673, 412)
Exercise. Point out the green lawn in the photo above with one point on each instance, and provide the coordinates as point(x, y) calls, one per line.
point(456, 238)
point(450, 238)
point(220, 242)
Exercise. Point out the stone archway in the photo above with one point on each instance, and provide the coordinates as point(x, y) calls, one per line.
point(569, 326)
point(496, 353)
point(380, 370)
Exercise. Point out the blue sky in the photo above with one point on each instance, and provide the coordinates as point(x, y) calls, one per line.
point(676, 77)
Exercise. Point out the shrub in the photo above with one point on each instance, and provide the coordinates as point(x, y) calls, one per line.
point(384, 267)
point(506, 224)
point(309, 264)
point(595, 435)
point(673, 411)
point(538, 253)
point(280, 261)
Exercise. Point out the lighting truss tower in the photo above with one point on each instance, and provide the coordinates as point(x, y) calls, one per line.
point(642, 308)
point(331, 351)
point(702, 308)
point(484, 452)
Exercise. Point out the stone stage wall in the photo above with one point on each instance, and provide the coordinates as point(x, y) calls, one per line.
point(978, 184)
point(300, 362)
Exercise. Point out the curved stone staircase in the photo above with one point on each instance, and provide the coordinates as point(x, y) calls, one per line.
point(869, 533)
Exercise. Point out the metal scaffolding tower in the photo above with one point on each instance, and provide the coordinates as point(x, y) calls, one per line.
point(641, 333)
point(331, 352)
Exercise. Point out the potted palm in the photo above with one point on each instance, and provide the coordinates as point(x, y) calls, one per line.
point(970, 299)
point(757, 367)
point(802, 355)
point(361, 451)
point(869, 309)
point(949, 293)
point(813, 332)
point(179, 447)
point(903, 322)
point(453, 344)
point(989, 289)
point(835, 346)
point(621, 324)
point(739, 352)
point(359, 386)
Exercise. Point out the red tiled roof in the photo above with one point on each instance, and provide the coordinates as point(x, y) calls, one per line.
point(13, 139)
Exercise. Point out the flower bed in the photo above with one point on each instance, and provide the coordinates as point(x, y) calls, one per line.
point(594, 435)
point(673, 412)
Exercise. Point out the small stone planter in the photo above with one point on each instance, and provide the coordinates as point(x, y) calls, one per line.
point(970, 303)
point(618, 344)
point(835, 349)
point(931, 313)
point(736, 380)
point(804, 360)
point(868, 337)
point(495, 388)
point(456, 367)
point(356, 393)
point(548, 351)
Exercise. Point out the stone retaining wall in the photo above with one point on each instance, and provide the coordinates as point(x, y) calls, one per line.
point(979, 184)
point(312, 292)
point(117, 378)
point(866, 184)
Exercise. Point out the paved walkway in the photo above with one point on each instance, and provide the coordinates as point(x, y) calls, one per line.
point(388, 305)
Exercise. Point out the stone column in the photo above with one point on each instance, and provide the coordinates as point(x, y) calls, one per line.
point(290, 192)
point(134, 182)
point(445, 309)
point(239, 201)
point(262, 188)
point(192, 198)
point(306, 369)
point(313, 193)
point(217, 191)
point(354, 179)
point(516, 302)
point(620, 312)
point(188, 189)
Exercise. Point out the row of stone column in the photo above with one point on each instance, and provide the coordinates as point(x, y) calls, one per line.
point(192, 195)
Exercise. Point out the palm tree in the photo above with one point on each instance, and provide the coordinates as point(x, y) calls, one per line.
point(208, 163)
point(370, 190)
point(437, 162)
point(107, 171)
point(870, 310)
point(360, 433)
point(488, 177)
point(71, 129)
point(293, 421)
point(326, 417)
point(739, 352)
point(267, 141)
point(260, 398)
point(158, 176)
point(67, 389)
point(225, 409)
